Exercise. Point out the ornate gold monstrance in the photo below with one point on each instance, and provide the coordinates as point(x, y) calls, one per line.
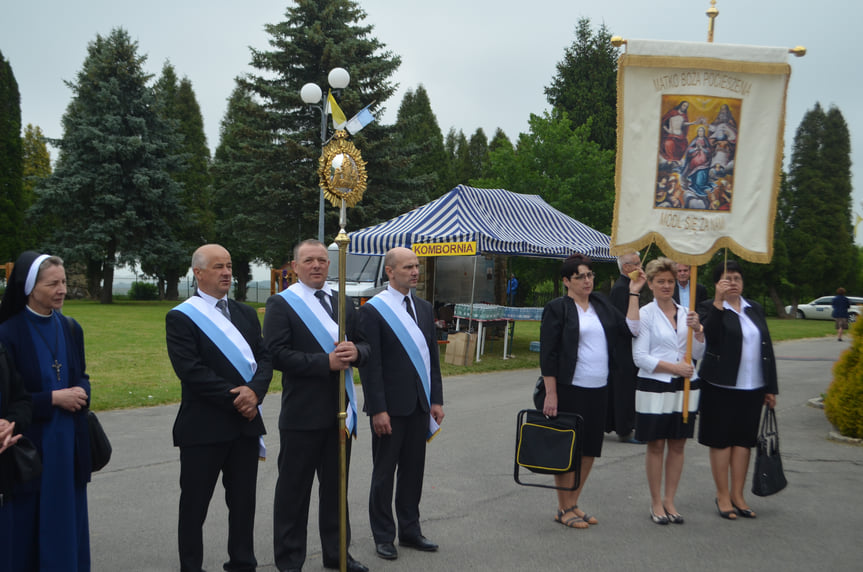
point(342, 174)
point(342, 171)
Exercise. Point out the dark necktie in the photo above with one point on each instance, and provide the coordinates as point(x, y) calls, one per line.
point(409, 308)
point(322, 298)
point(222, 305)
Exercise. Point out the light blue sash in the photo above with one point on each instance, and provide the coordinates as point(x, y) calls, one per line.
point(322, 336)
point(218, 337)
point(413, 353)
point(228, 348)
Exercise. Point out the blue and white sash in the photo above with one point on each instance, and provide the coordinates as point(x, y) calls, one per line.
point(327, 343)
point(410, 344)
point(228, 339)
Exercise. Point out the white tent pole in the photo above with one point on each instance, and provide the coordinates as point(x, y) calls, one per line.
point(479, 328)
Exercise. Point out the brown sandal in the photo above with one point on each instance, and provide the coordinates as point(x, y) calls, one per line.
point(574, 521)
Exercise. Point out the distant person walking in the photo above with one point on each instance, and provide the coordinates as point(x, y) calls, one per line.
point(840, 311)
point(511, 289)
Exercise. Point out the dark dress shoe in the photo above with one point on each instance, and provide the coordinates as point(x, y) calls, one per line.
point(418, 543)
point(386, 550)
point(353, 565)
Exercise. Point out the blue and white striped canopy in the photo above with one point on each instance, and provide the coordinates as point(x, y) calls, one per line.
point(499, 221)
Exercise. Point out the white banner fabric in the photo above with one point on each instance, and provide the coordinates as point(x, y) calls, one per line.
point(699, 148)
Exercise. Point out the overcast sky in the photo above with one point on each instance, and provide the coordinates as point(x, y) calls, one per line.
point(484, 62)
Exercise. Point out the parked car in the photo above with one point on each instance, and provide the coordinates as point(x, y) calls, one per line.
point(822, 309)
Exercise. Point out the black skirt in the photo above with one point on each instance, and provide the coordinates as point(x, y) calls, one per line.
point(659, 409)
point(729, 417)
point(591, 404)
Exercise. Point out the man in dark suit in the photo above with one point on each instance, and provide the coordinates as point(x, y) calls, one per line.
point(404, 398)
point(301, 333)
point(217, 352)
point(682, 289)
point(622, 394)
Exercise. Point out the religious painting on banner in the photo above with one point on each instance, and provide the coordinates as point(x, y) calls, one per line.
point(699, 148)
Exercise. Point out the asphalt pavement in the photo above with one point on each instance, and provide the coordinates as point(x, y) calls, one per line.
point(484, 521)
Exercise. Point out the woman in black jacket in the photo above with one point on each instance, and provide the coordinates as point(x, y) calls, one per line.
point(578, 337)
point(740, 370)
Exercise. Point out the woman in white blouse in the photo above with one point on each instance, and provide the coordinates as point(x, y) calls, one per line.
point(659, 352)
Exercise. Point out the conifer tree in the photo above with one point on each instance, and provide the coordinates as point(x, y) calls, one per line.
point(417, 132)
point(315, 37)
point(179, 107)
point(11, 164)
point(585, 85)
point(818, 210)
point(246, 225)
point(111, 191)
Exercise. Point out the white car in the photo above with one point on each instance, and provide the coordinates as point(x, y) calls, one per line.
point(822, 309)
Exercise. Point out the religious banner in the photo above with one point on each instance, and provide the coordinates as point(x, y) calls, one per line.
point(699, 148)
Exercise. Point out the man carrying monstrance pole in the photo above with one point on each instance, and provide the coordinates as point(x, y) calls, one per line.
point(311, 334)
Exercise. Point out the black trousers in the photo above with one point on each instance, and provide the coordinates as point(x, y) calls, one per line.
point(405, 449)
point(303, 455)
point(200, 466)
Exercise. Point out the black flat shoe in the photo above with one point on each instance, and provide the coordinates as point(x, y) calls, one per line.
point(352, 565)
point(386, 550)
point(419, 542)
point(729, 514)
point(658, 519)
point(744, 512)
point(673, 517)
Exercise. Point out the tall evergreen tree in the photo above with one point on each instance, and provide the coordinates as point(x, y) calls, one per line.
point(585, 85)
point(499, 141)
point(179, 107)
point(238, 204)
point(111, 189)
point(417, 131)
point(11, 163)
point(819, 225)
point(37, 168)
point(316, 36)
point(458, 152)
point(477, 152)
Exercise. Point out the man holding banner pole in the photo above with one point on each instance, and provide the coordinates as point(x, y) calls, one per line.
point(301, 331)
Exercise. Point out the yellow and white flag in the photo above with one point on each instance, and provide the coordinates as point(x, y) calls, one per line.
point(333, 109)
point(699, 148)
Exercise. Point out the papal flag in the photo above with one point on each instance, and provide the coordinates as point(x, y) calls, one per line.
point(333, 109)
point(699, 148)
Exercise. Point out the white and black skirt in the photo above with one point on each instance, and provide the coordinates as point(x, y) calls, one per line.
point(659, 409)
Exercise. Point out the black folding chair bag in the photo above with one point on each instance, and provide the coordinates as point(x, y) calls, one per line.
point(547, 446)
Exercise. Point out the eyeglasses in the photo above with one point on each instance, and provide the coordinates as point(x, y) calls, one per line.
point(586, 275)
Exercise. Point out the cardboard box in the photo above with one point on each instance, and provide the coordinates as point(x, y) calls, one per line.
point(459, 351)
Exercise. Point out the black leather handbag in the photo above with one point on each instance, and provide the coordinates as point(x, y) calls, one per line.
point(100, 446)
point(27, 463)
point(547, 446)
point(768, 478)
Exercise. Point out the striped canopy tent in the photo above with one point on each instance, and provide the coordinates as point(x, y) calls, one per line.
point(499, 221)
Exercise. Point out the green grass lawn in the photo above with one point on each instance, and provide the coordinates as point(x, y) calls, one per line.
point(129, 367)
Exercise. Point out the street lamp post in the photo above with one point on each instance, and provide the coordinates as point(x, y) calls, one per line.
point(313, 96)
